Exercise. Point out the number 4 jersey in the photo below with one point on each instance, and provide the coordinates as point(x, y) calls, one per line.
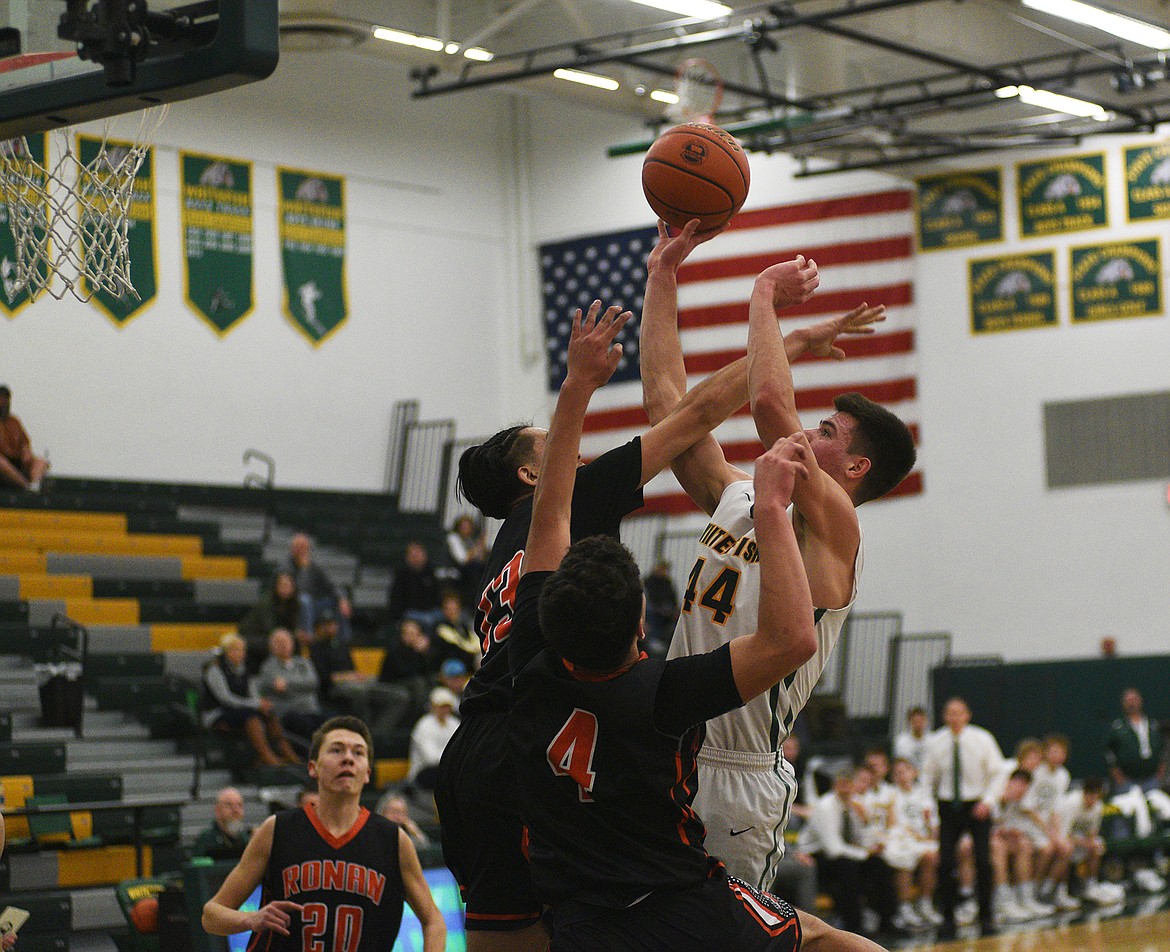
point(350, 887)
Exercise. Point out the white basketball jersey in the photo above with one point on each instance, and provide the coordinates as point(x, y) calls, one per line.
point(722, 602)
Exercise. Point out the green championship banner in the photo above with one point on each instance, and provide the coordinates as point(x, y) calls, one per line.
point(1060, 195)
point(1147, 181)
point(312, 251)
point(217, 238)
point(16, 166)
point(1118, 279)
point(960, 209)
point(1012, 292)
point(140, 236)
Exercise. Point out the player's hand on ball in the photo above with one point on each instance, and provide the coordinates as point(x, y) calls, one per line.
point(821, 338)
point(778, 469)
point(275, 917)
point(790, 282)
point(593, 355)
point(672, 250)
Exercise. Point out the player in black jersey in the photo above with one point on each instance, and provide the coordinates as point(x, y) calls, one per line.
point(604, 739)
point(334, 876)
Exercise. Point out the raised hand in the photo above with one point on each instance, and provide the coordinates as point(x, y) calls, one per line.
point(820, 339)
point(275, 917)
point(593, 355)
point(672, 250)
point(790, 282)
point(780, 467)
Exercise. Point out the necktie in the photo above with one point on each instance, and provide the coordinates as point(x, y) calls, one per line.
point(957, 773)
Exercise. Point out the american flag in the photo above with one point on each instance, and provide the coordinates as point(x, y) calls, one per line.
point(864, 249)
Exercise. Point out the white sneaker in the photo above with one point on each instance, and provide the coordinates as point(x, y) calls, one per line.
point(1009, 910)
point(927, 913)
point(1148, 880)
point(966, 912)
point(1103, 894)
point(1062, 900)
point(907, 918)
point(1035, 908)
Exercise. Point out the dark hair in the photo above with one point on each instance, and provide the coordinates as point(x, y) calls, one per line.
point(916, 710)
point(345, 722)
point(1093, 785)
point(487, 471)
point(4, 391)
point(591, 606)
point(1020, 774)
point(882, 438)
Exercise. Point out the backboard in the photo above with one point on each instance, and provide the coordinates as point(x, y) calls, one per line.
point(118, 56)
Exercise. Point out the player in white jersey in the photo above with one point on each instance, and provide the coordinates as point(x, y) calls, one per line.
point(859, 453)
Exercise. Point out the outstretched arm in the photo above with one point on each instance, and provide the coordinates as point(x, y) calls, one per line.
point(593, 357)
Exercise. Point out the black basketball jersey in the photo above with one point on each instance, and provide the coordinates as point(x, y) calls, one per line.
point(604, 790)
point(606, 490)
point(350, 886)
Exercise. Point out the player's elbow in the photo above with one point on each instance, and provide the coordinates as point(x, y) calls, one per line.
point(804, 645)
point(209, 922)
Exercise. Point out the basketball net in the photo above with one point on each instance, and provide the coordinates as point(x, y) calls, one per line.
point(70, 219)
point(699, 88)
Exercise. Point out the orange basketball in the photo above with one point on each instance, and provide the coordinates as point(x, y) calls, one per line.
point(144, 915)
point(698, 171)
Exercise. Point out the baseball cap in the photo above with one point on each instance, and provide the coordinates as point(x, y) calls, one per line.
point(444, 696)
point(453, 668)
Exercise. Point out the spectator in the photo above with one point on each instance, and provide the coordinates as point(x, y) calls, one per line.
point(394, 807)
point(315, 589)
point(849, 870)
point(430, 737)
point(961, 765)
point(18, 465)
point(1133, 748)
point(410, 664)
point(289, 683)
point(912, 847)
point(279, 607)
point(1050, 782)
point(228, 834)
point(453, 675)
point(232, 705)
point(453, 635)
point(1011, 852)
point(910, 744)
point(414, 593)
point(878, 801)
point(661, 608)
point(467, 547)
point(343, 688)
point(1078, 818)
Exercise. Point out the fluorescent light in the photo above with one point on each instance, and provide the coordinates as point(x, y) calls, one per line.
point(1055, 102)
point(451, 48)
point(1137, 31)
point(705, 9)
point(476, 53)
point(661, 95)
point(429, 43)
point(408, 39)
point(586, 79)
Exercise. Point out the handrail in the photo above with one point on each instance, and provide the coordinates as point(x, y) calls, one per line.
point(61, 620)
point(265, 482)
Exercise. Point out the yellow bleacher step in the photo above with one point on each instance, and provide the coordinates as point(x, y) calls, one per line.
point(17, 788)
point(390, 770)
point(55, 586)
point(15, 562)
point(54, 519)
point(102, 611)
point(214, 566)
point(103, 543)
point(101, 865)
point(187, 636)
point(368, 660)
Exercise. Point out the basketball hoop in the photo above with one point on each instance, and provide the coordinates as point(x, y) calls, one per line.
point(699, 88)
point(70, 219)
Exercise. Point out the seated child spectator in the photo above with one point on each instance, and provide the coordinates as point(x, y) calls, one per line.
point(1050, 782)
point(912, 847)
point(1012, 852)
point(1078, 819)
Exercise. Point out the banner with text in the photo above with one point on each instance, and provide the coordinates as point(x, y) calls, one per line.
point(15, 299)
point(217, 238)
point(1062, 195)
point(140, 235)
point(1012, 292)
point(312, 251)
point(960, 209)
point(1118, 279)
point(1147, 181)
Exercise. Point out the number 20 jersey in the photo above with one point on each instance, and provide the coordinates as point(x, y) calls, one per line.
point(722, 602)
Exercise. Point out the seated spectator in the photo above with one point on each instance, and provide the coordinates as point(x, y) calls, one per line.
point(1011, 852)
point(279, 607)
point(848, 870)
point(1050, 782)
point(912, 848)
point(345, 689)
point(289, 683)
point(453, 635)
point(394, 807)
point(877, 802)
point(316, 589)
point(429, 737)
point(410, 663)
point(910, 744)
point(228, 834)
point(661, 608)
point(467, 546)
point(232, 705)
point(1078, 820)
point(453, 675)
point(414, 593)
point(18, 464)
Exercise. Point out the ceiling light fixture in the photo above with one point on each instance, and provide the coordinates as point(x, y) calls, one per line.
point(408, 39)
point(587, 79)
point(704, 9)
point(1128, 28)
point(478, 53)
point(1055, 102)
point(661, 95)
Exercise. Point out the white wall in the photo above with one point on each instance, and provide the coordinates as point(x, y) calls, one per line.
point(443, 225)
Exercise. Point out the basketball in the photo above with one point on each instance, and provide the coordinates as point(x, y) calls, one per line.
point(696, 170)
point(144, 915)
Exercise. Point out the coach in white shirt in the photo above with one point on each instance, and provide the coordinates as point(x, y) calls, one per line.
point(960, 769)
